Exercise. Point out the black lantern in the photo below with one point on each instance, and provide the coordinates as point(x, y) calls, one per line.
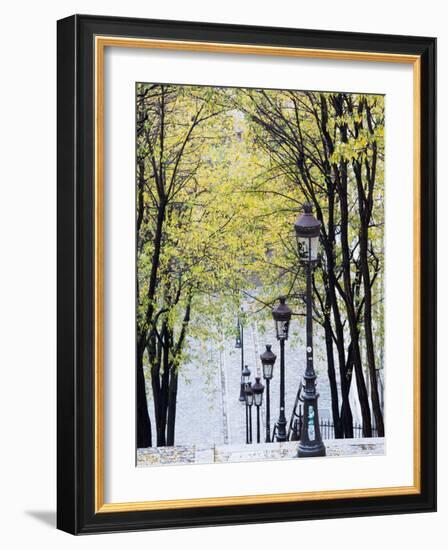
point(307, 229)
point(268, 360)
point(249, 394)
point(258, 390)
point(282, 316)
point(249, 402)
point(245, 375)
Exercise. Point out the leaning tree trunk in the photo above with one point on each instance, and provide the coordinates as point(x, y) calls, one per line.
point(160, 375)
point(172, 402)
point(368, 329)
point(351, 313)
point(346, 417)
point(338, 431)
point(365, 206)
point(144, 435)
point(331, 371)
point(341, 178)
point(346, 411)
point(329, 243)
point(164, 387)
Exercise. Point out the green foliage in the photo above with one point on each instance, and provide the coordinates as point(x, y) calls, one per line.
point(225, 169)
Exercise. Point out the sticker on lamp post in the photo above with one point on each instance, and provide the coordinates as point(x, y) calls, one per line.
point(311, 431)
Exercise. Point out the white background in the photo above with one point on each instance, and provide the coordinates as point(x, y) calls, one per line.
point(124, 482)
point(27, 277)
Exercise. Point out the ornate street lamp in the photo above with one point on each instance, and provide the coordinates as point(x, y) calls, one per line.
point(268, 360)
point(258, 390)
point(249, 402)
point(307, 229)
point(239, 344)
point(282, 316)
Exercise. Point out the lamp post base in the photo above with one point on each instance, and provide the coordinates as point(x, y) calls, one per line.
point(305, 451)
point(281, 436)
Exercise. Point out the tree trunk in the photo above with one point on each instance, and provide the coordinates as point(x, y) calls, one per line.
point(346, 417)
point(144, 435)
point(172, 402)
point(161, 385)
point(143, 328)
point(341, 177)
point(351, 313)
point(165, 384)
point(346, 411)
point(370, 347)
point(329, 242)
point(338, 431)
point(376, 406)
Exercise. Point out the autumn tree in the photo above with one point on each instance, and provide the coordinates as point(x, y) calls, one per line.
point(193, 232)
point(330, 147)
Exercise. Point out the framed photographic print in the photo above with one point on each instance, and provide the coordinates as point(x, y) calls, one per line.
point(246, 274)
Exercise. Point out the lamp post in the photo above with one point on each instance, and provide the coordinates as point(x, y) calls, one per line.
point(258, 390)
point(267, 360)
point(282, 316)
point(239, 344)
point(245, 375)
point(307, 229)
point(249, 402)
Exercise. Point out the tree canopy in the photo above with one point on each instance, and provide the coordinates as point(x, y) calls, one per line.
point(221, 175)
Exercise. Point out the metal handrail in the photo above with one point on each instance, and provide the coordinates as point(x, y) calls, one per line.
point(294, 412)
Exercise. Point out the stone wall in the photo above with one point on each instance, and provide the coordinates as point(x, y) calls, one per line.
point(203, 454)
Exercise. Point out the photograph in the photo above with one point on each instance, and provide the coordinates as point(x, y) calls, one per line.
point(259, 274)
